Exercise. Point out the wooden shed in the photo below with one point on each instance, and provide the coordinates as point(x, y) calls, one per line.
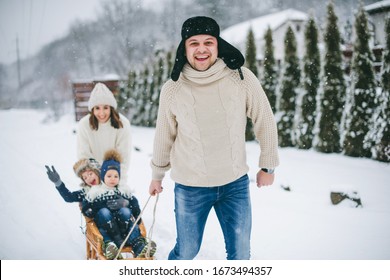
point(82, 90)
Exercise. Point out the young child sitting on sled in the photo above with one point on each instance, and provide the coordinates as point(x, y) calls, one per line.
point(115, 210)
point(89, 172)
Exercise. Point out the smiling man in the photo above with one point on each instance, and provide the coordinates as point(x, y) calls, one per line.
point(201, 51)
point(200, 136)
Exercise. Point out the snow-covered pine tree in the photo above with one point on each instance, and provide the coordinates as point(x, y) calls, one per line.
point(250, 53)
point(383, 147)
point(169, 65)
point(159, 71)
point(334, 89)
point(149, 115)
point(144, 87)
point(311, 82)
point(270, 77)
point(135, 95)
point(357, 142)
point(251, 63)
point(142, 101)
point(125, 98)
point(289, 87)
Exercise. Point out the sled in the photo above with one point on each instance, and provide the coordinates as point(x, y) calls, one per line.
point(94, 242)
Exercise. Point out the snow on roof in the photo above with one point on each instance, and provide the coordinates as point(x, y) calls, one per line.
point(378, 5)
point(103, 78)
point(108, 77)
point(237, 33)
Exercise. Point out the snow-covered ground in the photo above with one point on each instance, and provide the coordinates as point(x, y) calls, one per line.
point(301, 224)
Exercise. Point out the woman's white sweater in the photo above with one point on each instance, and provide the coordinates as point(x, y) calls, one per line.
point(94, 143)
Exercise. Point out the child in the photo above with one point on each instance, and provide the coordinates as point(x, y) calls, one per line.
point(89, 172)
point(87, 169)
point(115, 209)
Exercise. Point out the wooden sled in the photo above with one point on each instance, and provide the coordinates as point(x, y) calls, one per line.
point(94, 242)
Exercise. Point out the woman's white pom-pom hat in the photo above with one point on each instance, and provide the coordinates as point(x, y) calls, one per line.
point(101, 95)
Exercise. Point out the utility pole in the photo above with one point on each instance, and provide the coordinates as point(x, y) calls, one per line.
point(18, 61)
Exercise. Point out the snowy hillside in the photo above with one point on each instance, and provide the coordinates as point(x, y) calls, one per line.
point(298, 224)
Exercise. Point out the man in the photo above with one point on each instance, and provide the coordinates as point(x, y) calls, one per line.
point(200, 136)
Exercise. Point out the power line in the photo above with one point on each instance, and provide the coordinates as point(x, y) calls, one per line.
point(29, 28)
point(18, 62)
point(41, 24)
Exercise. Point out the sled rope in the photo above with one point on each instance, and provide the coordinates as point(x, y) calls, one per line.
point(149, 237)
point(150, 232)
point(83, 224)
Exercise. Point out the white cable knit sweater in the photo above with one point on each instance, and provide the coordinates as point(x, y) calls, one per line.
point(94, 143)
point(201, 123)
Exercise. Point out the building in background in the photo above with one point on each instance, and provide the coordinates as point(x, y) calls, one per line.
point(278, 22)
point(377, 13)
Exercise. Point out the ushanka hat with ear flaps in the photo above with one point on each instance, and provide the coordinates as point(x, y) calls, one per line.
point(83, 165)
point(205, 25)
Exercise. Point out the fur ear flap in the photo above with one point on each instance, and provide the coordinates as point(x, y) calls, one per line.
point(232, 57)
point(180, 60)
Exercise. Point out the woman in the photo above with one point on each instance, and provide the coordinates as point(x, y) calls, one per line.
point(104, 129)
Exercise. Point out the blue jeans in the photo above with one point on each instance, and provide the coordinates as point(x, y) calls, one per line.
point(233, 208)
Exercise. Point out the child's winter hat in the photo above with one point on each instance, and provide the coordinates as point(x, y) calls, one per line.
point(86, 164)
point(101, 94)
point(112, 160)
point(205, 25)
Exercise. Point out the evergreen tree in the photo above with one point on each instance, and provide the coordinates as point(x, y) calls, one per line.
point(169, 64)
point(312, 68)
point(125, 98)
point(333, 98)
point(250, 54)
point(143, 89)
point(383, 147)
point(356, 142)
point(270, 74)
point(155, 92)
point(142, 97)
point(251, 63)
point(149, 116)
point(289, 88)
point(386, 59)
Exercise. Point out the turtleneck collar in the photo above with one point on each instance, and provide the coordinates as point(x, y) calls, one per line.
point(106, 124)
point(217, 71)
